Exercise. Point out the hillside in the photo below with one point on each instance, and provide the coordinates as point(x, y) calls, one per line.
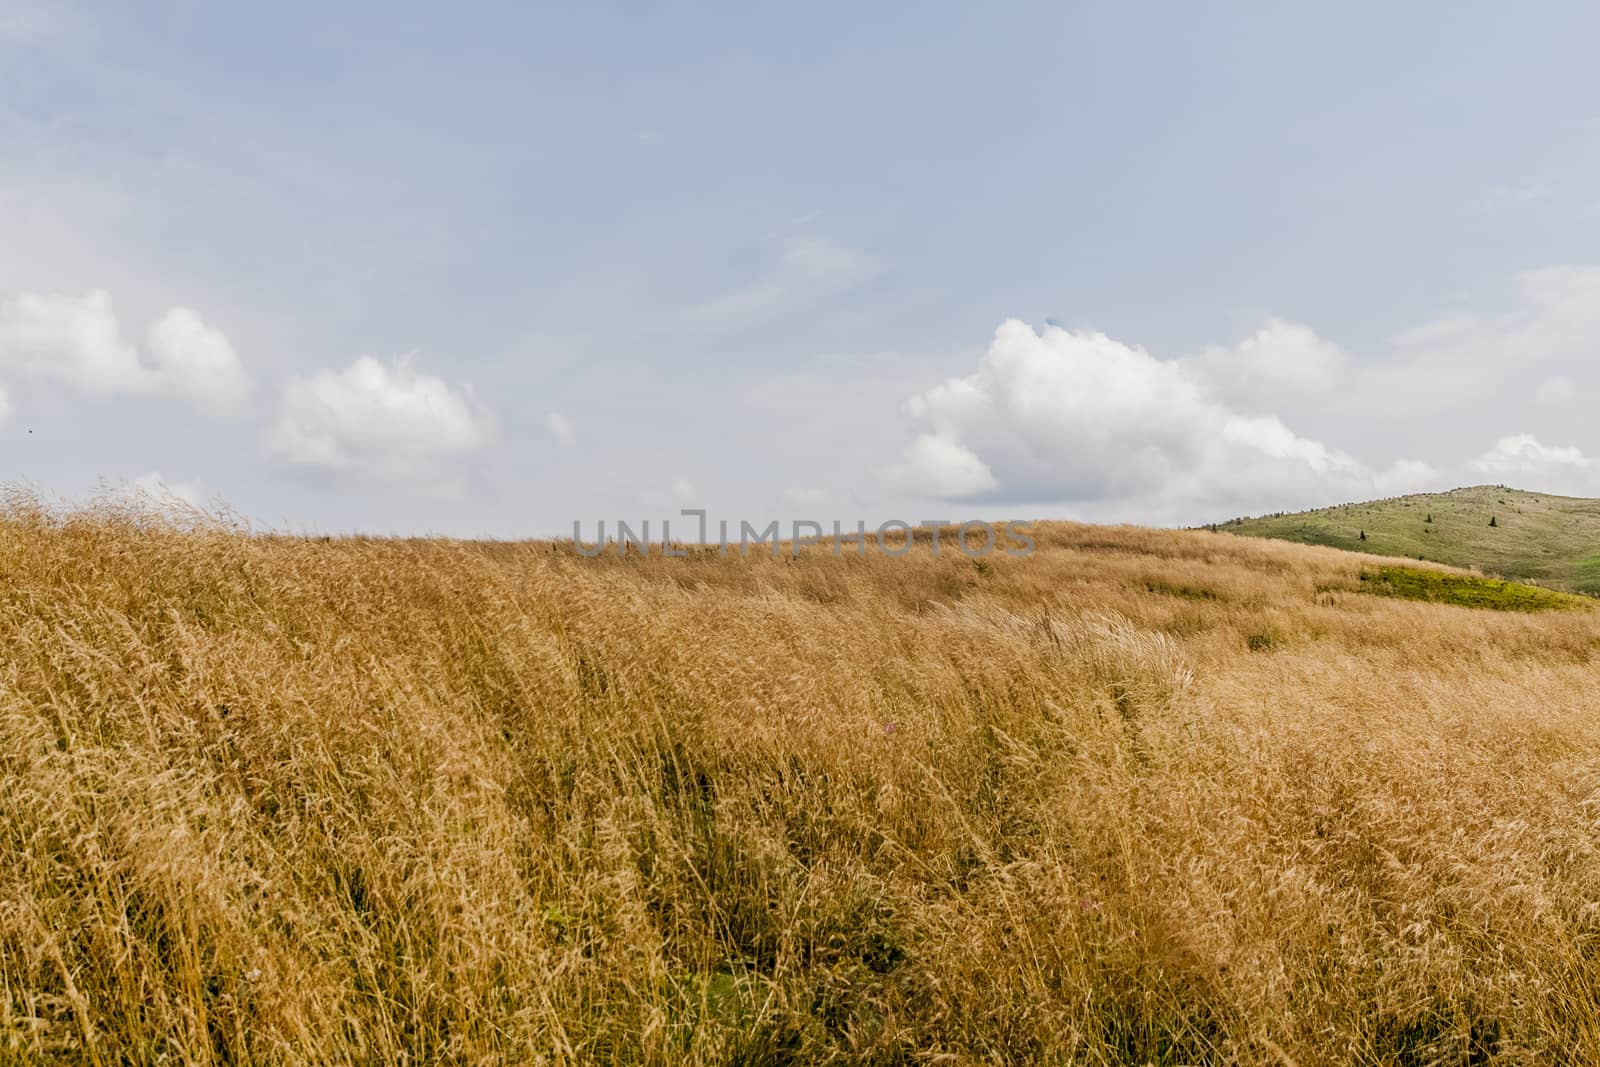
point(1551, 540)
point(1142, 797)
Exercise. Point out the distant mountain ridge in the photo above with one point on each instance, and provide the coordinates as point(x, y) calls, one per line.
point(1509, 533)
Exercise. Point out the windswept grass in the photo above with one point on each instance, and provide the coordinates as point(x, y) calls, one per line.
point(273, 800)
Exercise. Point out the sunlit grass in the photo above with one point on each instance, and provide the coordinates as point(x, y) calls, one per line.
point(1143, 797)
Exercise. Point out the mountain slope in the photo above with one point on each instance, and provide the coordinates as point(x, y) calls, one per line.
point(1553, 540)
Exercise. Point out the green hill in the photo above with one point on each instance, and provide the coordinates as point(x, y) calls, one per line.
point(1551, 540)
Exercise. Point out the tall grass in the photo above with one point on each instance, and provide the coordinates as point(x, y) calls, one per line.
point(1142, 797)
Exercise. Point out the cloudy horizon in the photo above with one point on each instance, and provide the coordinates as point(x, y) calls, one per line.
point(402, 272)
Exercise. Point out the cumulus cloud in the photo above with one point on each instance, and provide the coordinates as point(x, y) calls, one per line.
point(1449, 362)
point(561, 429)
point(197, 362)
point(78, 341)
point(1524, 459)
point(937, 466)
point(376, 418)
point(1070, 416)
point(1278, 360)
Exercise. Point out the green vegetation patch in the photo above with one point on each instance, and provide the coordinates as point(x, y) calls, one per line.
point(1463, 590)
point(1586, 576)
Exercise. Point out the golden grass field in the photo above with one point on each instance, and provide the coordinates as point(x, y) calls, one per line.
point(1142, 797)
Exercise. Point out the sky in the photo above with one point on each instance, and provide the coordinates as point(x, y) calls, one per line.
point(490, 269)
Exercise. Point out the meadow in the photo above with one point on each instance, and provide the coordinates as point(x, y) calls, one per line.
point(1506, 532)
point(1140, 797)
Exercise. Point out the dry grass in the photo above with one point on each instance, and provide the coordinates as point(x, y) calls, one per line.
point(1142, 797)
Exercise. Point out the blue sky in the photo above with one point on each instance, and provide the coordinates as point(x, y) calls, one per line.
point(405, 268)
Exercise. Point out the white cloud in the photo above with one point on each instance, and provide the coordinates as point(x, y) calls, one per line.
point(1460, 359)
point(197, 362)
point(939, 467)
point(1063, 417)
point(1406, 476)
point(1282, 358)
point(379, 419)
point(1059, 416)
point(561, 429)
point(78, 341)
point(1446, 363)
point(1523, 459)
point(151, 487)
point(683, 490)
point(5, 405)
